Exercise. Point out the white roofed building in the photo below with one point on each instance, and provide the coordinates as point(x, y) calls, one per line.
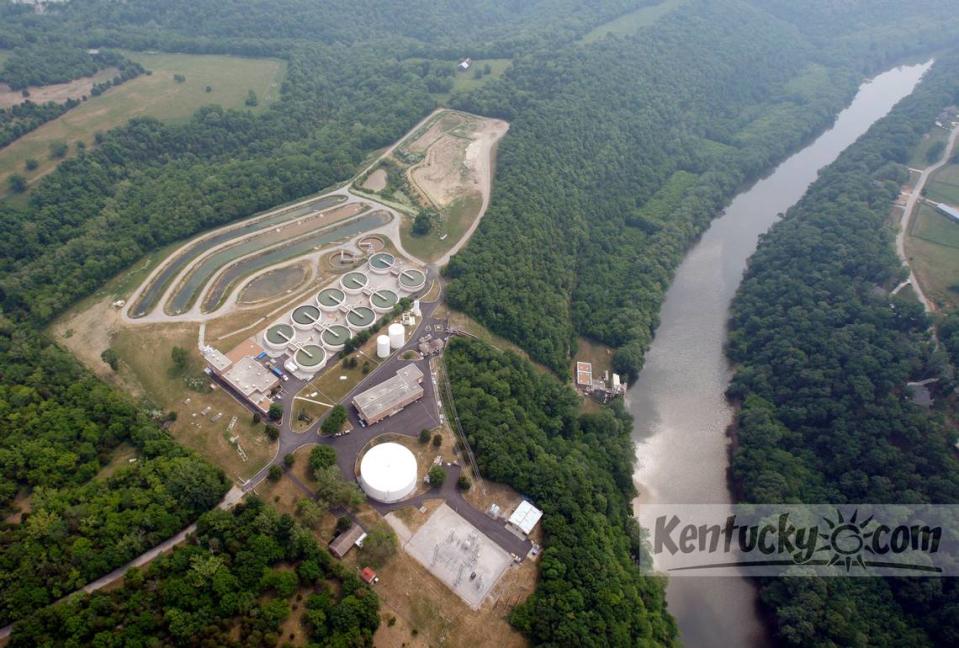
point(525, 517)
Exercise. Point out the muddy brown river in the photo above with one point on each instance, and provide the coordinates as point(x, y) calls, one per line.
point(681, 415)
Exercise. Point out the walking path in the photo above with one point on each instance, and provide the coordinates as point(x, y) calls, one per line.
point(907, 215)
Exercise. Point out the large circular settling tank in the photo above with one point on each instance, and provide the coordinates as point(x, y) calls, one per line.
point(388, 472)
point(310, 357)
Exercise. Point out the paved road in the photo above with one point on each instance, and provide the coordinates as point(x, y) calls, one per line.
point(422, 414)
point(907, 215)
point(495, 530)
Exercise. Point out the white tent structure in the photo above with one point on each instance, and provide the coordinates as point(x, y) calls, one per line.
point(388, 472)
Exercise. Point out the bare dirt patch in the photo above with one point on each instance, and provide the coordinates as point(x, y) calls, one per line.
point(57, 92)
point(376, 181)
point(87, 333)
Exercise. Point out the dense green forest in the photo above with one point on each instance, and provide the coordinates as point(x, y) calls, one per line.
point(526, 431)
point(607, 177)
point(148, 184)
point(823, 358)
point(233, 585)
point(50, 61)
point(58, 427)
point(619, 154)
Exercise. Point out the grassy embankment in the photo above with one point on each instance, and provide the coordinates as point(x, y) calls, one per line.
point(158, 95)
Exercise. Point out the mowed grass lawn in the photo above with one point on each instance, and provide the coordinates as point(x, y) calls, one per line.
point(158, 95)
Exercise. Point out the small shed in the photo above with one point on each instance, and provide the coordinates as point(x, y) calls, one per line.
point(525, 517)
point(342, 543)
point(368, 576)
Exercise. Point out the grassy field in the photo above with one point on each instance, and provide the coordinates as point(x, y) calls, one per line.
point(467, 82)
point(919, 159)
point(933, 251)
point(933, 227)
point(158, 95)
point(459, 216)
point(629, 24)
point(145, 357)
point(944, 186)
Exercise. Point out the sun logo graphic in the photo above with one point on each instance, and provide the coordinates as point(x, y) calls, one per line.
point(847, 540)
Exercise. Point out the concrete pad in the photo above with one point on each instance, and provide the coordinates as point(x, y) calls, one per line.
point(459, 554)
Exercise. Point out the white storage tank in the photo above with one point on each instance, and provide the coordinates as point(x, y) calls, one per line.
point(383, 346)
point(388, 472)
point(397, 336)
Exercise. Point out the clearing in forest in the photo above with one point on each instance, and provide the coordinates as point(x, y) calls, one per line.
point(445, 166)
point(229, 78)
point(932, 246)
point(629, 24)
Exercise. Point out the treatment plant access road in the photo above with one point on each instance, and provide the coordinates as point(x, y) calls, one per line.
point(907, 215)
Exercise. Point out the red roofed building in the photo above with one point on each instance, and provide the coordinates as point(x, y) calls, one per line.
point(368, 575)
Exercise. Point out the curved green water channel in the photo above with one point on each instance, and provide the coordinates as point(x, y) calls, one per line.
point(149, 298)
point(225, 282)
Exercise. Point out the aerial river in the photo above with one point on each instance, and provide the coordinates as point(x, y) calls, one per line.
point(681, 414)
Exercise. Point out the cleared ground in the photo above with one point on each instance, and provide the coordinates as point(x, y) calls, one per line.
point(449, 169)
point(629, 24)
point(145, 360)
point(459, 555)
point(157, 95)
point(57, 92)
point(944, 185)
point(933, 250)
point(467, 81)
point(920, 154)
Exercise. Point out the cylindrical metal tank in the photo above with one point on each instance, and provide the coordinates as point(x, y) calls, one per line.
point(397, 336)
point(383, 346)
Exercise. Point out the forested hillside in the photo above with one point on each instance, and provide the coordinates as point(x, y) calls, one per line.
point(243, 575)
point(148, 184)
point(621, 152)
point(526, 432)
point(824, 356)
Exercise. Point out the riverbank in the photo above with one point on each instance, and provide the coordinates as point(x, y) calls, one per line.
point(682, 450)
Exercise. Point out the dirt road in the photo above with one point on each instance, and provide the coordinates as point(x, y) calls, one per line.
point(907, 215)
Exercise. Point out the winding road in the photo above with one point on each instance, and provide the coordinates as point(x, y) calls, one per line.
point(907, 216)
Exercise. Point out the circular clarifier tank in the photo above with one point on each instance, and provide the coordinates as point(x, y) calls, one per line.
point(412, 279)
point(306, 316)
point(353, 283)
point(388, 472)
point(279, 336)
point(311, 357)
point(383, 300)
point(360, 317)
point(381, 262)
point(330, 299)
point(335, 337)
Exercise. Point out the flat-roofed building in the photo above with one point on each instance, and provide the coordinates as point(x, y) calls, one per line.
point(252, 380)
point(390, 396)
point(525, 517)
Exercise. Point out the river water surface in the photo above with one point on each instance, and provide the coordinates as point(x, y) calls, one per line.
point(678, 402)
